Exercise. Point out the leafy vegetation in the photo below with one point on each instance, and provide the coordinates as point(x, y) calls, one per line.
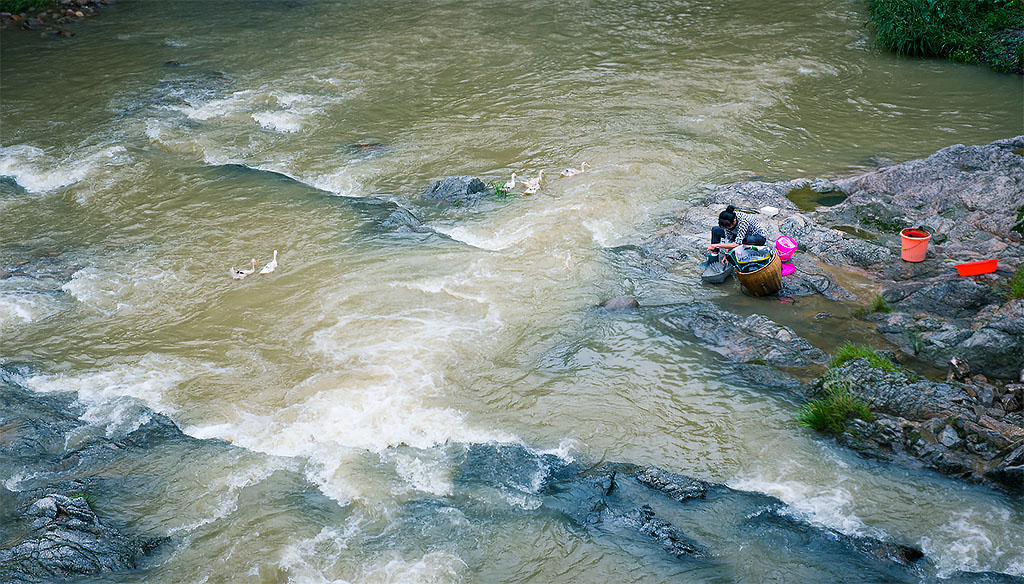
point(830, 412)
point(915, 340)
point(90, 500)
point(967, 31)
point(849, 352)
point(27, 6)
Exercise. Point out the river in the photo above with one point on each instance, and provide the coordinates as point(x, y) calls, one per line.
point(131, 186)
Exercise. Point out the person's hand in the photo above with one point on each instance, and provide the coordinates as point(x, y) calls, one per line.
point(713, 247)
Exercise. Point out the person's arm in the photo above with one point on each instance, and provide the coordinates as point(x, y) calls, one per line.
point(714, 246)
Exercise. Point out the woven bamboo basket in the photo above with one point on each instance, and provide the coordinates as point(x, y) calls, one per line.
point(765, 281)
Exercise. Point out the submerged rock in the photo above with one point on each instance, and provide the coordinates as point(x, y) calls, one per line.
point(686, 519)
point(741, 339)
point(620, 303)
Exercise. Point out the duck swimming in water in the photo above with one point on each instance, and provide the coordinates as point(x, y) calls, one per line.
point(573, 172)
point(531, 186)
point(241, 274)
point(511, 184)
point(271, 266)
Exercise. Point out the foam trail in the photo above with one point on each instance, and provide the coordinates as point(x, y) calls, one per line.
point(37, 172)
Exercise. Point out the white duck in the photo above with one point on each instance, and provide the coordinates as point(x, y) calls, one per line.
point(533, 185)
point(511, 184)
point(271, 266)
point(241, 274)
point(573, 172)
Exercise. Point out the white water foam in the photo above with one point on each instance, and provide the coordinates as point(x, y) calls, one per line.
point(316, 560)
point(38, 172)
point(278, 121)
point(109, 394)
point(965, 543)
point(830, 507)
point(132, 288)
point(423, 474)
point(18, 309)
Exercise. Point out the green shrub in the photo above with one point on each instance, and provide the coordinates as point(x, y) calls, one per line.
point(967, 31)
point(830, 412)
point(849, 352)
point(30, 7)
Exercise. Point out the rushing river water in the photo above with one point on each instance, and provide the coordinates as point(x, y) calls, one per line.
point(131, 187)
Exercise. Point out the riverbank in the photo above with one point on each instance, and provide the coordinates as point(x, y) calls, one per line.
point(48, 15)
point(970, 425)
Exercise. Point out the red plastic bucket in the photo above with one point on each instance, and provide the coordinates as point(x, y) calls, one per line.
point(914, 244)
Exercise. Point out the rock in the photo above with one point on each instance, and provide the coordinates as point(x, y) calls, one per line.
point(401, 220)
point(754, 338)
point(959, 370)
point(949, 437)
point(620, 303)
point(676, 486)
point(969, 443)
point(645, 522)
point(456, 190)
point(67, 540)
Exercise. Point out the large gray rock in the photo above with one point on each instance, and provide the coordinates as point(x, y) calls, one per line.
point(67, 540)
point(946, 427)
point(456, 190)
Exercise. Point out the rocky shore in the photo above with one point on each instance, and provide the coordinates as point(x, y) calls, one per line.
point(971, 198)
point(53, 16)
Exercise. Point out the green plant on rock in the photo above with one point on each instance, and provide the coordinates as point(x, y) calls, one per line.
point(849, 352)
point(915, 340)
point(829, 413)
point(90, 500)
point(877, 304)
point(1015, 284)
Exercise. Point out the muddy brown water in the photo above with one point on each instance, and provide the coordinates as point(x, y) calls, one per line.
point(365, 352)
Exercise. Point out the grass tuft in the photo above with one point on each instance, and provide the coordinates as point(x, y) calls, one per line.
point(830, 412)
point(500, 190)
point(1015, 285)
point(878, 304)
point(849, 352)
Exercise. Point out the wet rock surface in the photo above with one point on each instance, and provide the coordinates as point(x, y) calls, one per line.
point(53, 16)
point(52, 532)
point(972, 200)
point(66, 539)
point(741, 339)
point(456, 190)
point(686, 519)
point(949, 427)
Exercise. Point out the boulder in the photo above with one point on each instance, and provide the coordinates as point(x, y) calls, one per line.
point(456, 190)
point(67, 540)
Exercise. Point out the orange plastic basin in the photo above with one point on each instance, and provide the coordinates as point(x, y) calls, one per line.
point(976, 268)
